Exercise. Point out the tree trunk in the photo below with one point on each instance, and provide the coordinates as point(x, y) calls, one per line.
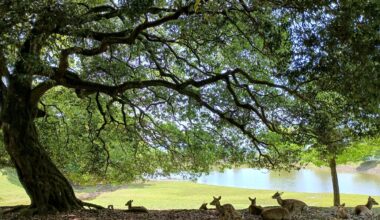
point(334, 177)
point(48, 189)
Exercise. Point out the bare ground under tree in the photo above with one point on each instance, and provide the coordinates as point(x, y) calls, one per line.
point(314, 213)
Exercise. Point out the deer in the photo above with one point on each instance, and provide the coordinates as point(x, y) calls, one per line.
point(110, 207)
point(135, 208)
point(341, 212)
point(276, 213)
point(253, 209)
point(203, 206)
point(290, 204)
point(366, 209)
point(227, 211)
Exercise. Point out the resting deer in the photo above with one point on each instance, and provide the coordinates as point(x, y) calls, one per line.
point(253, 209)
point(203, 206)
point(341, 212)
point(276, 213)
point(366, 209)
point(110, 207)
point(227, 211)
point(290, 204)
point(135, 208)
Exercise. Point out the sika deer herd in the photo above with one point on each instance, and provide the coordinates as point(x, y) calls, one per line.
point(287, 209)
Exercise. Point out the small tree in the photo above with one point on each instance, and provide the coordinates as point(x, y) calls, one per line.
point(327, 128)
point(337, 62)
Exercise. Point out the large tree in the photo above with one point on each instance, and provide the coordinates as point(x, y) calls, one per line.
point(171, 69)
point(154, 61)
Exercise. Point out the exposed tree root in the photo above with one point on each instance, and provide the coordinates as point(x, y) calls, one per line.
point(10, 209)
point(25, 211)
point(91, 205)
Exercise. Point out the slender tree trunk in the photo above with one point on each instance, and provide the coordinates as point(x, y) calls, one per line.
point(48, 189)
point(334, 177)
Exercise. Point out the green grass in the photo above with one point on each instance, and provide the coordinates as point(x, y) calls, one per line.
point(181, 195)
point(11, 191)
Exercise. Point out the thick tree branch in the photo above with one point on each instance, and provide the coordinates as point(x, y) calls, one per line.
point(3, 64)
point(127, 36)
point(108, 39)
point(40, 90)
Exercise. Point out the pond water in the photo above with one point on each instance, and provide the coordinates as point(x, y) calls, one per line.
point(305, 180)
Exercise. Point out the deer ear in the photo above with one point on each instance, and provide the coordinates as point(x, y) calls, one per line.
point(219, 197)
point(250, 198)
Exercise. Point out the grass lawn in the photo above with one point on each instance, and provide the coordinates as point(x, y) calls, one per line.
point(179, 195)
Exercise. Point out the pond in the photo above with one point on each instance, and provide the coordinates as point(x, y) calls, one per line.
point(304, 180)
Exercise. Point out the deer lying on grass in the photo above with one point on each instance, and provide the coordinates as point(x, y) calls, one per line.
point(276, 213)
point(253, 209)
point(341, 212)
point(290, 204)
point(366, 209)
point(226, 211)
point(203, 206)
point(135, 208)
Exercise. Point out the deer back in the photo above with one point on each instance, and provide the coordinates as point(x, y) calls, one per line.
point(342, 212)
point(255, 210)
point(362, 210)
point(293, 204)
point(277, 213)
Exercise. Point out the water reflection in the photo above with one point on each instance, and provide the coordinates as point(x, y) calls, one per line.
point(305, 180)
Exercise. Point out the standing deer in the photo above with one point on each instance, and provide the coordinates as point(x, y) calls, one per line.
point(226, 211)
point(276, 213)
point(290, 204)
point(366, 209)
point(341, 212)
point(135, 208)
point(253, 209)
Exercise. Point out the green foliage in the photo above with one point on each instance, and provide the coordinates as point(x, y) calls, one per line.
point(366, 149)
point(118, 153)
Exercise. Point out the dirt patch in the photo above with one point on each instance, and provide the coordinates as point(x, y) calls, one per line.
point(314, 213)
point(99, 189)
point(372, 168)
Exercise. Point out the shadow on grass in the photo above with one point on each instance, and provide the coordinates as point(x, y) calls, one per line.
point(91, 192)
point(108, 187)
point(11, 175)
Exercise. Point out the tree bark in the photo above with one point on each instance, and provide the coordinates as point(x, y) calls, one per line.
point(48, 189)
point(335, 183)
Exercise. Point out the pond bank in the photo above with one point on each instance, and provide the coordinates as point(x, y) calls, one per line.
point(361, 178)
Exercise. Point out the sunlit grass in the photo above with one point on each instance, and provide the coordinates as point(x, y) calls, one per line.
point(180, 195)
point(11, 191)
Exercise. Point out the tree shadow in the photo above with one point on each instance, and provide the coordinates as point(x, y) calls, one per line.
point(11, 176)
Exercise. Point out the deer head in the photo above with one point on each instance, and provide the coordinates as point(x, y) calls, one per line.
point(277, 195)
point(216, 200)
point(253, 201)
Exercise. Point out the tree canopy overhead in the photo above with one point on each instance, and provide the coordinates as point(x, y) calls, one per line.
point(185, 82)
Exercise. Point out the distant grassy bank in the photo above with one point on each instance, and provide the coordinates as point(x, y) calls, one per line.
point(175, 195)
